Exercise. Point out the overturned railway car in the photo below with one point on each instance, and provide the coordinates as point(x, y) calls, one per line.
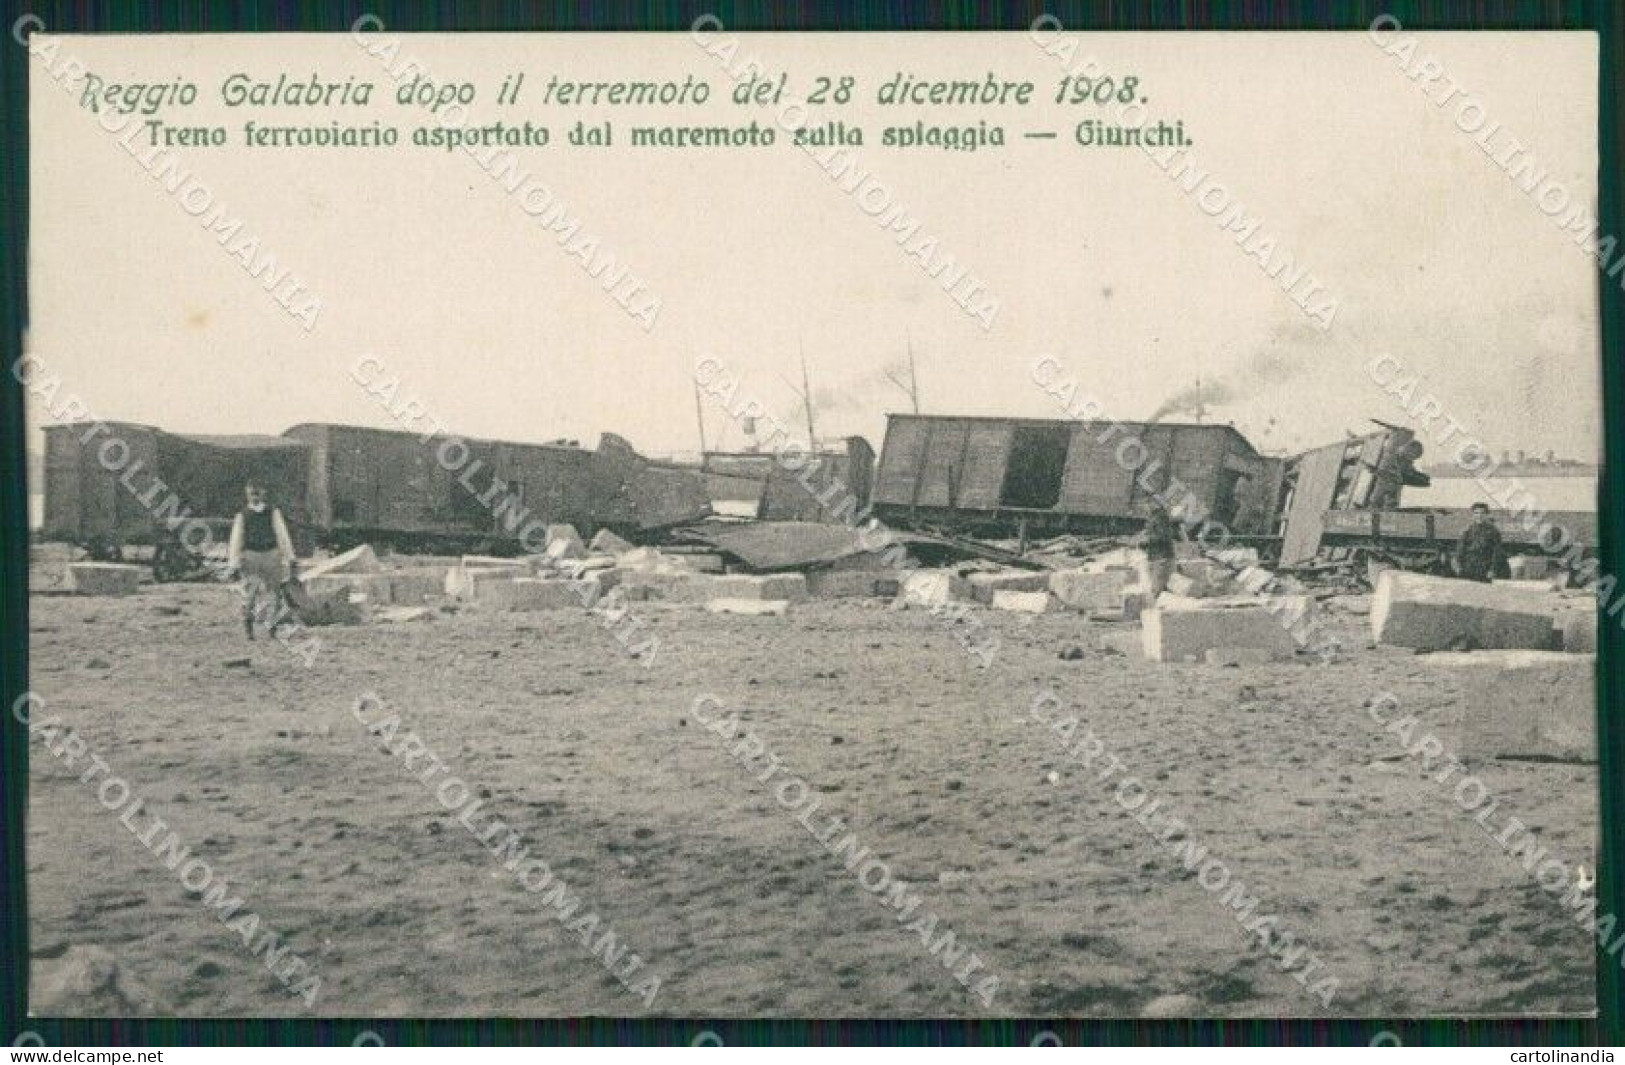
point(1001, 474)
point(113, 484)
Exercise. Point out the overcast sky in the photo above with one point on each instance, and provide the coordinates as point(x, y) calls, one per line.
point(1096, 257)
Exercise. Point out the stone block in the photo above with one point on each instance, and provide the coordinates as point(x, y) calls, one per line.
point(373, 587)
point(1174, 632)
point(414, 587)
point(104, 578)
point(641, 558)
point(1236, 558)
point(526, 593)
point(402, 614)
point(1579, 631)
point(1239, 656)
point(756, 608)
point(1529, 567)
point(773, 586)
point(1134, 604)
point(932, 588)
point(1254, 580)
point(563, 542)
point(1022, 602)
point(608, 543)
point(702, 588)
point(1080, 589)
point(356, 560)
point(1535, 584)
point(1121, 558)
point(493, 562)
point(1185, 585)
point(645, 584)
point(1123, 643)
point(332, 607)
point(464, 581)
point(1532, 704)
point(841, 584)
point(1428, 613)
point(698, 562)
point(983, 585)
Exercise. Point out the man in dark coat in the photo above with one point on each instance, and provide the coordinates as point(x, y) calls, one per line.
point(1480, 555)
point(1157, 541)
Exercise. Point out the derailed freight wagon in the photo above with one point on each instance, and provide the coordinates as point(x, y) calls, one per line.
point(1359, 473)
point(115, 484)
point(988, 474)
point(449, 493)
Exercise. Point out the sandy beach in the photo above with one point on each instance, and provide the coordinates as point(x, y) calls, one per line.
point(263, 768)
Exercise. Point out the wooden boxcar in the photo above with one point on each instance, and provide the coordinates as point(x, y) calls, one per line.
point(1359, 473)
point(384, 486)
point(133, 484)
point(984, 473)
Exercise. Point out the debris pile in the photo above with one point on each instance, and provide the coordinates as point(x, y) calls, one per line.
point(1220, 607)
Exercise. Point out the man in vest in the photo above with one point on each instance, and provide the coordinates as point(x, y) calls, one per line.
point(1157, 541)
point(261, 553)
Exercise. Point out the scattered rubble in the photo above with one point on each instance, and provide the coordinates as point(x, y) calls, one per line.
point(563, 542)
point(605, 542)
point(394, 614)
point(526, 593)
point(322, 608)
point(1084, 589)
point(1579, 629)
point(1022, 602)
point(356, 560)
point(932, 588)
point(87, 981)
point(846, 583)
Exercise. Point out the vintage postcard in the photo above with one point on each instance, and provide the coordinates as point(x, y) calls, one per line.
point(868, 525)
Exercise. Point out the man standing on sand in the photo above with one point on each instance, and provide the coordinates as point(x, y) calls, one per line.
point(1157, 541)
point(261, 553)
point(1480, 554)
